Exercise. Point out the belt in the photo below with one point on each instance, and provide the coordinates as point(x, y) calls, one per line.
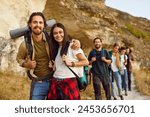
point(42, 78)
point(59, 79)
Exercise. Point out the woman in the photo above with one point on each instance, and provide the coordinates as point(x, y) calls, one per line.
point(64, 83)
point(114, 72)
point(123, 70)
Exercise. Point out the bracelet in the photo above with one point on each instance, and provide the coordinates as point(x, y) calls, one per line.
point(73, 64)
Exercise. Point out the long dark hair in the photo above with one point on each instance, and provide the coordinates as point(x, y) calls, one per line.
point(54, 44)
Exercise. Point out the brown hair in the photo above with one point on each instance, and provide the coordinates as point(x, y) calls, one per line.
point(36, 14)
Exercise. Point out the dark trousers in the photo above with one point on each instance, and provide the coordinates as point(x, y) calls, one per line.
point(129, 80)
point(97, 87)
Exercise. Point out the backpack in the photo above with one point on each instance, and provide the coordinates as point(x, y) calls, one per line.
point(82, 81)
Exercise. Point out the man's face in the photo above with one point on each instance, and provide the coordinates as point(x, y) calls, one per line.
point(37, 25)
point(98, 44)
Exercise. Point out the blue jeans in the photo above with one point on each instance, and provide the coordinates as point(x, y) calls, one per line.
point(117, 79)
point(39, 90)
point(124, 78)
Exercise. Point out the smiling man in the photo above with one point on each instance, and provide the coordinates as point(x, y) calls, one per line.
point(100, 59)
point(34, 56)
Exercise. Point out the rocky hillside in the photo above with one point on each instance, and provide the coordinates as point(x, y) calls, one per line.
point(14, 14)
point(87, 19)
point(84, 20)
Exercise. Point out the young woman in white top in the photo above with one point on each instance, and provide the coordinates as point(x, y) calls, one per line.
point(114, 72)
point(123, 70)
point(64, 83)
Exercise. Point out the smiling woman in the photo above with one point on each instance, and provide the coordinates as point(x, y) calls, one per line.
point(139, 8)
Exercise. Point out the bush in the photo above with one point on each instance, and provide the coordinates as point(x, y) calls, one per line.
point(137, 32)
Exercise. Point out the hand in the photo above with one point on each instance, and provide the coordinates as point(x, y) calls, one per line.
point(68, 63)
point(50, 64)
point(75, 44)
point(93, 59)
point(64, 57)
point(30, 64)
point(103, 59)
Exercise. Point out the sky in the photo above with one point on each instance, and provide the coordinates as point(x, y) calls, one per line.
point(139, 8)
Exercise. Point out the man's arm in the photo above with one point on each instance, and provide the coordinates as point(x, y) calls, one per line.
point(23, 59)
point(75, 44)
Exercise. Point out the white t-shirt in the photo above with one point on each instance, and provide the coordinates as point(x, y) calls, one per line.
point(113, 64)
point(62, 71)
point(123, 57)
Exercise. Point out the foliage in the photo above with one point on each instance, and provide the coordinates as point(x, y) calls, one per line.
point(137, 32)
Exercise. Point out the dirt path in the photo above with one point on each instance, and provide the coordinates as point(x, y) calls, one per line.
point(134, 94)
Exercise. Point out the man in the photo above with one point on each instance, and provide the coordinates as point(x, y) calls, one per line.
point(129, 66)
point(38, 60)
point(100, 59)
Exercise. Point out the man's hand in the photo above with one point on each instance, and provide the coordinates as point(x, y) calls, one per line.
point(31, 64)
point(75, 44)
point(93, 59)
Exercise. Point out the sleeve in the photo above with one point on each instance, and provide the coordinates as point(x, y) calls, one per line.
point(22, 54)
point(107, 55)
point(79, 51)
point(126, 57)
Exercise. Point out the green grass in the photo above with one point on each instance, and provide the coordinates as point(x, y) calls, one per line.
point(138, 32)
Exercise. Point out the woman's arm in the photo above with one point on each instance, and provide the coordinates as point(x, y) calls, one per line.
point(82, 61)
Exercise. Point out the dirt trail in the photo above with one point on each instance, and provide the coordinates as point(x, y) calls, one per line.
point(134, 94)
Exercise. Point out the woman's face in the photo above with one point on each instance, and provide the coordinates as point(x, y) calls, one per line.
point(58, 34)
point(116, 49)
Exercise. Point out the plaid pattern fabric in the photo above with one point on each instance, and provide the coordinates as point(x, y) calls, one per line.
point(66, 89)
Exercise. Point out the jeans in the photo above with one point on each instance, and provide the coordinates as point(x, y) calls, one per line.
point(124, 78)
point(39, 90)
point(117, 79)
point(97, 87)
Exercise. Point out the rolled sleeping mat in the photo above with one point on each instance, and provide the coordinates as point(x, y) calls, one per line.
point(21, 31)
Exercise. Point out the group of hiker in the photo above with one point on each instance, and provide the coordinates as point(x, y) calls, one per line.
point(48, 59)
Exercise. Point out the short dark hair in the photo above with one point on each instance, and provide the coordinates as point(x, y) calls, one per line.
point(116, 44)
point(123, 48)
point(37, 14)
point(96, 39)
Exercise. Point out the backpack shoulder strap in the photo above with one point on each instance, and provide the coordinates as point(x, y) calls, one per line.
point(27, 38)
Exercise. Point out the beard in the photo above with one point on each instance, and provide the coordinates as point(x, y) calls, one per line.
point(37, 30)
point(97, 46)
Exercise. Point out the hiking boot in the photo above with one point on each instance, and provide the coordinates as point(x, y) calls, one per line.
point(126, 94)
point(121, 97)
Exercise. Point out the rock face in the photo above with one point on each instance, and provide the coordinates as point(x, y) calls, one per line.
point(87, 19)
point(84, 20)
point(14, 14)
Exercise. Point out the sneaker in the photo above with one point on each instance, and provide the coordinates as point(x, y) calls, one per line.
point(126, 94)
point(115, 98)
point(121, 97)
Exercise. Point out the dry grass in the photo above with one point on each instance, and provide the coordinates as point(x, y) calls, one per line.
point(16, 87)
point(142, 80)
point(13, 87)
point(88, 94)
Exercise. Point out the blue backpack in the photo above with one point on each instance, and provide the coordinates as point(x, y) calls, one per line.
point(82, 81)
